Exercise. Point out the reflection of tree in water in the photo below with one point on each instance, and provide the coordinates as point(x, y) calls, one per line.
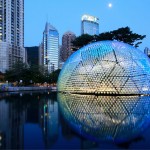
point(118, 119)
point(21, 101)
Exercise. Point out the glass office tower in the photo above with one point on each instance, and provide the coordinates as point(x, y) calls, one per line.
point(51, 48)
point(89, 25)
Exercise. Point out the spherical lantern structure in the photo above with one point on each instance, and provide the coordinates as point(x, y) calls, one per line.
point(106, 67)
point(106, 118)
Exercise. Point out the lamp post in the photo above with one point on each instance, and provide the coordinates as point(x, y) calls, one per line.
point(7, 83)
point(21, 82)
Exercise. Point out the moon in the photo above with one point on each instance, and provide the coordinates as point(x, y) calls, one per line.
point(110, 5)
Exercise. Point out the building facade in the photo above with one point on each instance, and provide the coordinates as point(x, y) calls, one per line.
point(50, 48)
point(89, 25)
point(32, 54)
point(41, 54)
point(66, 48)
point(11, 32)
point(147, 51)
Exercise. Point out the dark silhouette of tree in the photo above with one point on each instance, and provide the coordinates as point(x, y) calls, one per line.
point(122, 34)
point(28, 75)
point(82, 40)
point(53, 77)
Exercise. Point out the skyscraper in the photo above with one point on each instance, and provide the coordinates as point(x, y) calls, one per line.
point(89, 25)
point(66, 49)
point(41, 54)
point(51, 48)
point(11, 33)
point(32, 54)
point(147, 51)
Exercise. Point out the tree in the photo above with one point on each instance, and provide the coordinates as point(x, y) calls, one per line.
point(122, 34)
point(37, 74)
point(82, 40)
point(16, 72)
point(29, 75)
point(1, 76)
point(53, 77)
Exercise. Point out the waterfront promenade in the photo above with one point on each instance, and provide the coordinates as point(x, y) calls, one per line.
point(33, 88)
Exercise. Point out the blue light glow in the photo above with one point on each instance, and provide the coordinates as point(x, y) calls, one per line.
point(106, 67)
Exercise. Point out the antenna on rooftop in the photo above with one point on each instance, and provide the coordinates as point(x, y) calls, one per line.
point(47, 19)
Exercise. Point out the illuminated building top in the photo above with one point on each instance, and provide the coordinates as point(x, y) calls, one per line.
point(90, 18)
point(89, 25)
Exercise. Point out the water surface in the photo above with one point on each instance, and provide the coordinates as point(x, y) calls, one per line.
point(35, 120)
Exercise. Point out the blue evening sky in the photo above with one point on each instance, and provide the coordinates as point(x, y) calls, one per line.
point(65, 15)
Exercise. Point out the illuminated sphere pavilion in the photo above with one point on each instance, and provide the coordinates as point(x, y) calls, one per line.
point(106, 67)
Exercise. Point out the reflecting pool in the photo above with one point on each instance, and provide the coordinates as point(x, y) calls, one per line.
point(44, 120)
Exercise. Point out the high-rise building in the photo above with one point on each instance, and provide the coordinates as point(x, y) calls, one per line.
point(11, 33)
point(66, 49)
point(41, 54)
point(147, 51)
point(32, 54)
point(89, 25)
point(51, 48)
point(1, 13)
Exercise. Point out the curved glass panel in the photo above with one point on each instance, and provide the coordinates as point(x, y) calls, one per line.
point(106, 118)
point(106, 67)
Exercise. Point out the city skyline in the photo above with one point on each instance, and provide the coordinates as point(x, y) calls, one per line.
point(67, 15)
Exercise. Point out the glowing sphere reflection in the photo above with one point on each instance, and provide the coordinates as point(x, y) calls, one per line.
point(106, 67)
point(110, 118)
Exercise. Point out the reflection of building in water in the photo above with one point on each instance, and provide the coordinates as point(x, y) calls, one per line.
point(11, 126)
point(4, 115)
point(32, 113)
point(49, 121)
point(18, 114)
point(106, 117)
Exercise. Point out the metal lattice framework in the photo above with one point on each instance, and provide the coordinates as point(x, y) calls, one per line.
point(106, 67)
point(117, 118)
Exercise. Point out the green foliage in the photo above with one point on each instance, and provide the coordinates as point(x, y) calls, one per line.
point(82, 40)
point(30, 75)
point(53, 77)
point(16, 73)
point(122, 34)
